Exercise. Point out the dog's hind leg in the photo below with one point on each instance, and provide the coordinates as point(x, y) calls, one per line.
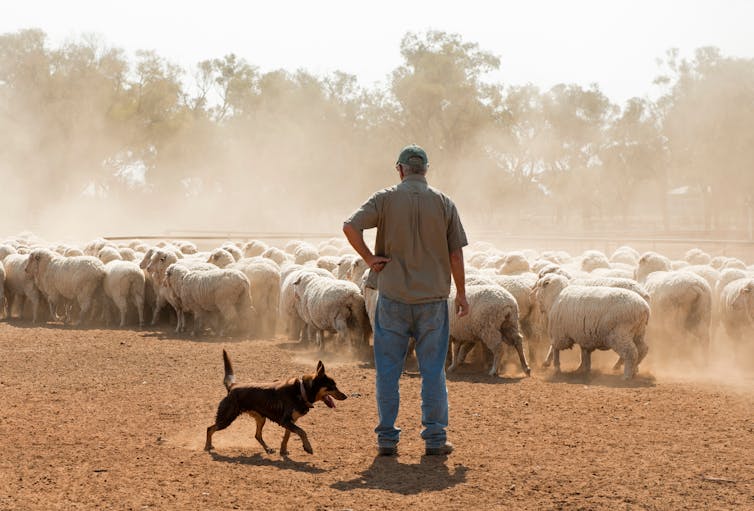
point(292, 428)
point(227, 412)
point(260, 424)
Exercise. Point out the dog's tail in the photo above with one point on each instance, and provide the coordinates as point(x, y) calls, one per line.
point(229, 379)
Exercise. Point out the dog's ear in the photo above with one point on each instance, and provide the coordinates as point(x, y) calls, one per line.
point(320, 368)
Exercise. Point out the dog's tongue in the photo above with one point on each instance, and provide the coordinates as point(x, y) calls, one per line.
point(328, 401)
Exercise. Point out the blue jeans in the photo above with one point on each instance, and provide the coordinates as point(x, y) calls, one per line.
point(394, 324)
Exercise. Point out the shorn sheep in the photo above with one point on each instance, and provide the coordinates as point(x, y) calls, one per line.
point(60, 279)
point(493, 321)
point(594, 318)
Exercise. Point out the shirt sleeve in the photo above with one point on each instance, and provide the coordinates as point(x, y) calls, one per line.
point(456, 233)
point(366, 216)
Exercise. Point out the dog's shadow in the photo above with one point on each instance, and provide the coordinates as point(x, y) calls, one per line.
point(388, 473)
point(258, 460)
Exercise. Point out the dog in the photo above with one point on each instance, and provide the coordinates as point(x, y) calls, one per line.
point(281, 402)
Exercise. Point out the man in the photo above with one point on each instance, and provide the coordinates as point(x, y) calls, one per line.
point(419, 246)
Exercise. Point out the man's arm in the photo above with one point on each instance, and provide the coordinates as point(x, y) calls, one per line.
point(356, 238)
point(459, 277)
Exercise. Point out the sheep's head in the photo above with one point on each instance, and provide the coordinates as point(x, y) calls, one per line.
point(546, 289)
point(38, 259)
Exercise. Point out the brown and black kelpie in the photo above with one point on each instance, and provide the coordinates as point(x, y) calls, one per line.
point(281, 402)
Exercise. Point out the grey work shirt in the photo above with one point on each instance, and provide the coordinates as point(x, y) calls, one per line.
point(417, 228)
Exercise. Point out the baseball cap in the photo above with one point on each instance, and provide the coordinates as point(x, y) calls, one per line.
point(412, 151)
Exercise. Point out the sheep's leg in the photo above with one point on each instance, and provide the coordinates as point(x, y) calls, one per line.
point(518, 344)
point(497, 354)
point(455, 347)
point(555, 359)
point(642, 349)
point(157, 308)
point(618, 364)
point(548, 358)
point(197, 323)
point(462, 352)
point(586, 361)
point(630, 358)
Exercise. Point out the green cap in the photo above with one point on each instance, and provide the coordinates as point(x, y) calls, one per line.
point(412, 151)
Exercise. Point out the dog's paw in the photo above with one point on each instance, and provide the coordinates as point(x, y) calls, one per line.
point(270, 450)
point(284, 452)
point(308, 448)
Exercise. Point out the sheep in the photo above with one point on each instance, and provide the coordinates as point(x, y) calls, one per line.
point(73, 278)
point(221, 258)
point(73, 252)
point(622, 283)
point(328, 262)
point(219, 290)
point(234, 250)
point(2, 291)
point(125, 281)
point(305, 252)
point(593, 259)
point(650, 262)
point(156, 267)
point(276, 255)
point(681, 303)
point(616, 273)
point(697, 256)
point(264, 278)
point(254, 248)
point(594, 318)
point(327, 304)
point(493, 321)
point(107, 254)
point(293, 323)
point(19, 286)
point(737, 308)
point(625, 255)
point(514, 263)
point(127, 254)
point(187, 247)
point(328, 250)
point(6, 250)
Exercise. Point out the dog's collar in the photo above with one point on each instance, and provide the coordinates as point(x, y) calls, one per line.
point(303, 393)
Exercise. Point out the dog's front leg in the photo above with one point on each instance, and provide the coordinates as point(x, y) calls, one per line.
point(291, 427)
point(284, 443)
point(260, 424)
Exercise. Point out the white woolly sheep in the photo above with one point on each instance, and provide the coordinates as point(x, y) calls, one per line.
point(219, 290)
point(254, 248)
point(294, 325)
point(66, 278)
point(6, 250)
point(331, 305)
point(681, 303)
point(492, 320)
point(514, 263)
point(124, 281)
point(234, 250)
point(737, 308)
point(328, 262)
point(697, 256)
point(626, 255)
point(277, 255)
point(264, 279)
point(19, 286)
point(127, 254)
point(305, 252)
point(650, 262)
point(621, 283)
point(108, 253)
point(594, 318)
point(593, 259)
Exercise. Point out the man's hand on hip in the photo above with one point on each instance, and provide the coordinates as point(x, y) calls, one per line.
point(462, 305)
point(377, 263)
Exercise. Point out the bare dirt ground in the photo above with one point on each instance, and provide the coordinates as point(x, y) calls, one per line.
point(103, 419)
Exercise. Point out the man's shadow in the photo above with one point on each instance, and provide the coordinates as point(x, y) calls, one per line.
point(388, 473)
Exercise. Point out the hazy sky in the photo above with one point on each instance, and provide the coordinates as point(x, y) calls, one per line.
point(613, 43)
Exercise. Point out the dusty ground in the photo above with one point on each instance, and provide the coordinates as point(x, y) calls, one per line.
point(98, 419)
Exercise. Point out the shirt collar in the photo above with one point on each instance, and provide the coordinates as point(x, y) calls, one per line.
point(415, 177)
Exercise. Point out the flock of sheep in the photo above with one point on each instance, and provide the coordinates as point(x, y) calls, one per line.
point(542, 301)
